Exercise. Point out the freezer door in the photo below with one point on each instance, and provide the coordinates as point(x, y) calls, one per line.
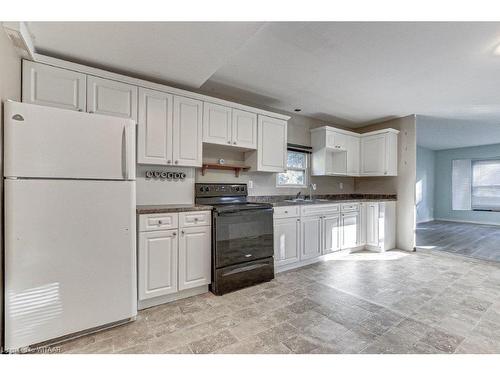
point(70, 257)
point(46, 142)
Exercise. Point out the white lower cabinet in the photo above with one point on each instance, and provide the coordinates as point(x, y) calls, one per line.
point(157, 263)
point(331, 233)
point(172, 263)
point(194, 257)
point(311, 237)
point(302, 234)
point(350, 228)
point(286, 241)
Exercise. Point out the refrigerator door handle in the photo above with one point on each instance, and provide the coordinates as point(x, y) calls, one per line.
point(127, 150)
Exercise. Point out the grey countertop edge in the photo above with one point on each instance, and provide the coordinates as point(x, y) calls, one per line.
point(169, 208)
point(332, 201)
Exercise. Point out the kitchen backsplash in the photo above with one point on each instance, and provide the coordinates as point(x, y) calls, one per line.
point(159, 190)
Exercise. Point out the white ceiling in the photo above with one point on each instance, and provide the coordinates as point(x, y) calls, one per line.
point(349, 73)
point(443, 133)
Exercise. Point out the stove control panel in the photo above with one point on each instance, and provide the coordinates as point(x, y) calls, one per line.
point(220, 190)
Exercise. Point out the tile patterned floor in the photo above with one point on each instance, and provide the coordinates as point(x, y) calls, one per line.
point(395, 302)
point(473, 240)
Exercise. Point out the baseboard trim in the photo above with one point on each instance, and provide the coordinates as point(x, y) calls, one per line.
point(468, 221)
point(426, 220)
point(147, 303)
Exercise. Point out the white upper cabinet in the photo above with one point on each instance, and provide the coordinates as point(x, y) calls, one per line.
point(54, 87)
point(271, 146)
point(154, 138)
point(217, 123)
point(336, 140)
point(379, 154)
point(187, 132)
point(194, 257)
point(111, 98)
point(286, 241)
point(244, 129)
point(352, 155)
point(227, 126)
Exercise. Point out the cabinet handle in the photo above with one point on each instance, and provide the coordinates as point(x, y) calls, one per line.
point(80, 110)
point(174, 234)
point(182, 232)
point(286, 212)
point(160, 222)
point(177, 161)
point(234, 143)
point(298, 219)
point(228, 142)
point(91, 111)
point(195, 219)
point(169, 161)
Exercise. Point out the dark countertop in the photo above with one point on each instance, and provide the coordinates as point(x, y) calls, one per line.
point(280, 200)
point(166, 208)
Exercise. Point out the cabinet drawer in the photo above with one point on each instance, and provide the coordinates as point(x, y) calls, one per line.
point(350, 207)
point(286, 211)
point(319, 209)
point(195, 218)
point(158, 222)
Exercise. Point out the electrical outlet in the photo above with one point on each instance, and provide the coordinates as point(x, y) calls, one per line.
point(341, 185)
point(250, 184)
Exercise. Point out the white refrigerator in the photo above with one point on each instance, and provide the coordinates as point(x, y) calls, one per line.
point(70, 255)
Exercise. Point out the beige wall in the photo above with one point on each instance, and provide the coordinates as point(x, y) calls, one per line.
point(404, 184)
point(10, 88)
point(265, 183)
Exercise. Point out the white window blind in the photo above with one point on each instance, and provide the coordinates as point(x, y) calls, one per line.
point(461, 184)
point(486, 184)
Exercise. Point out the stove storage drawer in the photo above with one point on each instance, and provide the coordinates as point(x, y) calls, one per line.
point(195, 218)
point(240, 276)
point(165, 221)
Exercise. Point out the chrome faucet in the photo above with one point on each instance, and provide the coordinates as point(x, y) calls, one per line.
point(311, 188)
point(298, 195)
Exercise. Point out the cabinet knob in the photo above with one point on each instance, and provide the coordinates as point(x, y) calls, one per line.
point(286, 212)
point(182, 232)
point(234, 143)
point(174, 234)
point(228, 142)
point(195, 219)
point(160, 222)
point(91, 111)
point(385, 172)
point(80, 110)
point(169, 161)
point(177, 162)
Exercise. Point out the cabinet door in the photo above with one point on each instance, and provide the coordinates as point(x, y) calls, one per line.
point(311, 237)
point(194, 257)
point(216, 124)
point(244, 129)
point(331, 233)
point(187, 132)
point(350, 230)
point(353, 144)
point(271, 144)
point(373, 155)
point(157, 263)
point(154, 138)
point(286, 241)
point(112, 98)
point(362, 223)
point(336, 140)
point(54, 87)
point(372, 214)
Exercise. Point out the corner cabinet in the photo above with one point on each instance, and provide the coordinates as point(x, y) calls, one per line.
point(271, 146)
point(338, 152)
point(174, 256)
point(379, 154)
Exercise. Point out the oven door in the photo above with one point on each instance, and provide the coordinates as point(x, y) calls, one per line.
point(242, 236)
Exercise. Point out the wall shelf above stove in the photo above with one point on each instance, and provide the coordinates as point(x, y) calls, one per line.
point(237, 168)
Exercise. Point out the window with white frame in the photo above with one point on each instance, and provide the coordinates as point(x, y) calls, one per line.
point(486, 184)
point(297, 169)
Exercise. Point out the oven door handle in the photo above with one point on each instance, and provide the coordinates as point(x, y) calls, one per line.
point(245, 268)
point(237, 212)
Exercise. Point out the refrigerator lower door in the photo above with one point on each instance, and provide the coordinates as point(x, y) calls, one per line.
point(70, 257)
point(47, 142)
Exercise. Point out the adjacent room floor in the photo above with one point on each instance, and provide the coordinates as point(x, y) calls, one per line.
point(472, 240)
point(394, 302)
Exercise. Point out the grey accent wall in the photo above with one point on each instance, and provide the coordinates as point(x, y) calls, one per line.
point(10, 88)
point(426, 161)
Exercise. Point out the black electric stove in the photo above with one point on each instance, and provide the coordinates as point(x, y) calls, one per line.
point(242, 237)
